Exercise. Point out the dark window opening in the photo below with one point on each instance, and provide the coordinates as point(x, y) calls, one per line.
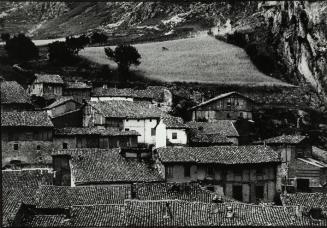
point(210, 171)
point(259, 192)
point(187, 171)
point(153, 131)
point(228, 116)
point(238, 172)
point(237, 192)
point(303, 185)
point(64, 145)
point(260, 172)
point(38, 147)
point(15, 146)
point(211, 188)
point(126, 129)
point(174, 135)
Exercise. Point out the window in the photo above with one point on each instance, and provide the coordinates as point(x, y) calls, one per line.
point(126, 129)
point(211, 188)
point(38, 147)
point(260, 172)
point(174, 135)
point(187, 171)
point(259, 192)
point(303, 185)
point(153, 131)
point(228, 116)
point(237, 192)
point(169, 172)
point(16, 146)
point(64, 145)
point(237, 172)
point(210, 171)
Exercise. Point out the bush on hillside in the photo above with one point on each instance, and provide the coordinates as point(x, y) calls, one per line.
point(74, 45)
point(21, 48)
point(5, 36)
point(97, 38)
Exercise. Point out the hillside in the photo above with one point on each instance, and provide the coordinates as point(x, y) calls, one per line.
point(200, 59)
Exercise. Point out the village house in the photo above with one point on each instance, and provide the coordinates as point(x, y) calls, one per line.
point(126, 94)
point(26, 137)
point(14, 97)
point(127, 115)
point(245, 173)
point(78, 90)
point(226, 106)
point(62, 106)
point(93, 137)
point(175, 130)
point(48, 86)
point(77, 167)
point(300, 171)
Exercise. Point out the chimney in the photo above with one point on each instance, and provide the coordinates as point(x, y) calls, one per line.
point(230, 213)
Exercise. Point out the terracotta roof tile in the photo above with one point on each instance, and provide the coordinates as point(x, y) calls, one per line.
point(308, 200)
point(219, 154)
point(108, 166)
point(222, 127)
point(286, 139)
point(48, 78)
point(173, 122)
point(52, 220)
point(12, 92)
point(93, 131)
point(126, 92)
point(77, 85)
point(26, 118)
point(126, 109)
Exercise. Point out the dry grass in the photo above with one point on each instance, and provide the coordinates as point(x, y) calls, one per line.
point(201, 59)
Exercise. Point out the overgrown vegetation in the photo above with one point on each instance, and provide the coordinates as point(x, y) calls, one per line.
point(20, 48)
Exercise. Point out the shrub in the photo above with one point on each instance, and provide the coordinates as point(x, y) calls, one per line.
point(21, 48)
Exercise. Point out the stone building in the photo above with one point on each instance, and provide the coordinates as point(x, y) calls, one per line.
point(226, 106)
point(48, 86)
point(245, 173)
point(78, 90)
point(14, 97)
point(301, 172)
point(26, 137)
point(62, 106)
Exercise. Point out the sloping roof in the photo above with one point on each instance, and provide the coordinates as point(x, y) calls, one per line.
point(65, 196)
point(110, 215)
point(219, 154)
point(285, 139)
point(26, 118)
point(221, 127)
point(196, 136)
point(183, 191)
point(219, 97)
point(182, 213)
point(312, 162)
point(308, 200)
point(45, 220)
point(319, 154)
point(77, 85)
point(126, 109)
point(173, 122)
point(48, 78)
point(60, 101)
point(113, 168)
point(126, 92)
point(12, 92)
point(93, 131)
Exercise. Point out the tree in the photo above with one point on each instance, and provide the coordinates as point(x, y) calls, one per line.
point(5, 36)
point(124, 56)
point(59, 52)
point(21, 48)
point(76, 44)
point(98, 38)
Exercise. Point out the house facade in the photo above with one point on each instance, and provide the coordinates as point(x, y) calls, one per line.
point(245, 173)
point(126, 115)
point(48, 86)
point(93, 137)
point(78, 90)
point(62, 106)
point(226, 106)
point(176, 130)
point(26, 137)
point(301, 172)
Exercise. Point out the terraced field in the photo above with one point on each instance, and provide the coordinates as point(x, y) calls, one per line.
point(200, 59)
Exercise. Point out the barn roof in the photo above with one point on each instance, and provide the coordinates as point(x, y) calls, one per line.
point(12, 92)
point(219, 97)
point(48, 78)
point(229, 155)
point(126, 109)
point(26, 118)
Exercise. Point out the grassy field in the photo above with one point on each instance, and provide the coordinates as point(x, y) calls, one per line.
point(201, 59)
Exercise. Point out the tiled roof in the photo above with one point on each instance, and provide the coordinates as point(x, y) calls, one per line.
point(196, 136)
point(222, 127)
point(26, 118)
point(61, 101)
point(110, 215)
point(221, 96)
point(182, 213)
point(183, 191)
point(126, 92)
point(285, 139)
point(173, 122)
point(12, 92)
point(319, 154)
point(108, 166)
point(127, 109)
point(308, 200)
point(77, 85)
point(48, 78)
point(64, 196)
point(93, 131)
point(219, 154)
point(45, 220)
